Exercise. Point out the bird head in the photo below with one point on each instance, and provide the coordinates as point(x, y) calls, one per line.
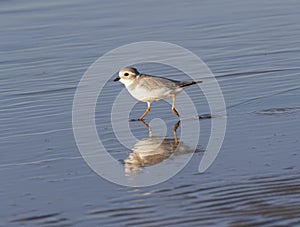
point(127, 75)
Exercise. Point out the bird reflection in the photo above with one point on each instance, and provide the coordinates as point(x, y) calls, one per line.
point(153, 150)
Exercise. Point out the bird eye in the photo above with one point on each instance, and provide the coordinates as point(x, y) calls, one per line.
point(126, 74)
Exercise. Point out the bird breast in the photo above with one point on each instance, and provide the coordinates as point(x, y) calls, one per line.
point(146, 95)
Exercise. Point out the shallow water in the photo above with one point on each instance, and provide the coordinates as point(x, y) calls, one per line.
point(253, 49)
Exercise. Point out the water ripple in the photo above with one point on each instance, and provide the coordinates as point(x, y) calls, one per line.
point(276, 198)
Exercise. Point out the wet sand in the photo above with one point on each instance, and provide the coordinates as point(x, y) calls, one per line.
point(252, 48)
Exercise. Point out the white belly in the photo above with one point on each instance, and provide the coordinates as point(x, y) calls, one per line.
point(146, 95)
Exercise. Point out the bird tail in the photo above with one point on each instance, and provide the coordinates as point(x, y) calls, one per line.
point(186, 84)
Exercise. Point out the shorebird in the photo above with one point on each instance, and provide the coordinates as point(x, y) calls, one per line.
point(147, 88)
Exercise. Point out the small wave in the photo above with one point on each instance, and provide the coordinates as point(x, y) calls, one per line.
point(46, 91)
point(278, 111)
point(46, 219)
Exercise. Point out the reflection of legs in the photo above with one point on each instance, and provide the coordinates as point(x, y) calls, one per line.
point(146, 112)
point(175, 133)
point(173, 105)
point(148, 127)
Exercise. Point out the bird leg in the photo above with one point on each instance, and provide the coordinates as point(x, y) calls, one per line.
point(148, 127)
point(173, 105)
point(146, 112)
point(175, 133)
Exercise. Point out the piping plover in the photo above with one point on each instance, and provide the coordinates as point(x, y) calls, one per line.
point(148, 88)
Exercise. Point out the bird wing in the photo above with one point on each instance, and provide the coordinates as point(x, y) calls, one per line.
point(188, 83)
point(159, 82)
point(152, 82)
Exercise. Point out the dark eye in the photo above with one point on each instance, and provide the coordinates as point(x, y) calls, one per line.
point(126, 74)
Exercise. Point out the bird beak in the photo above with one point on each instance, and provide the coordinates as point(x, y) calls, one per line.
point(118, 78)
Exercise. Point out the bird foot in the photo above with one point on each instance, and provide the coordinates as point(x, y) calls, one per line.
point(175, 112)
